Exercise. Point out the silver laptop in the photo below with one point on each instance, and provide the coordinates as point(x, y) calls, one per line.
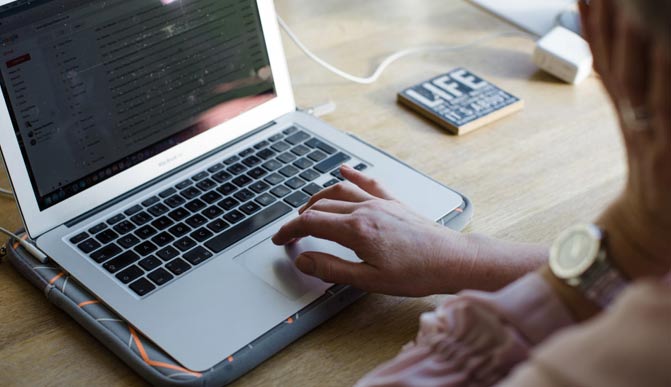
point(154, 148)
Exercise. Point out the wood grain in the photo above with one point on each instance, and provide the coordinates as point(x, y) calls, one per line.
point(530, 175)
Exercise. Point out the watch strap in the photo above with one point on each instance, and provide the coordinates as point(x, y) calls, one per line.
point(602, 283)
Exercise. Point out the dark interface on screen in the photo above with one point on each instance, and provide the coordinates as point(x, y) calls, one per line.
point(96, 87)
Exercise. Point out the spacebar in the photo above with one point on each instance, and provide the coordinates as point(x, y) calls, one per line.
point(247, 227)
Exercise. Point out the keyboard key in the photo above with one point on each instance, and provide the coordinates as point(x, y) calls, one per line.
point(162, 239)
point(184, 184)
point(228, 203)
point(300, 150)
point(266, 199)
point(337, 174)
point(234, 216)
point(266, 154)
point(200, 176)
point(210, 197)
point(150, 263)
point(287, 158)
point(196, 221)
point(212, 212)
point(312, 189)
point(195, 205)
point(215, 168)
point(202, 234)
point(179, 214)
point(297, 138)
point(141, 218)
point(158, 209)
point(179, 230)
point(303, 163)
point(361, 167)
point(124, 227)
point(280, 191)
point(142, 287)
point(309, 175)
point(168, 192)
point(145, 232)
point(106, 253)
point(175, 201)
point(88, 245)
point(251, 161)
point(247, 227)
point(162, 223)
point(231, 160)
point(167, 253)
point(259, 186)
point(317, 156)
point(227, 189)
point(244, 195)
point(191, 193)
point(145, 248)
point(133, 210)
point(184, 244)
point(295, 183)
point(128, 241)
point(289, 171)
point(178, 266)
point(331, 183)
point(272, 165)
point(151, 201)
point(250, 208)
point(332, 162)
point(115, 219)
point(236, 169)
point(79, 238)
point(276, 137)
point(197, 255)
point(257, 173)
point(130, 274)
point(291, 130)
point(160, 277)
point(274, 179)
point(261, 145)
point(217, 225)
point(123, 260)
point(281, 147)
point(316, 143)
point(242, 181)
point(106, 236)
point(222, 176)
point(97, 228)
point(246, 152)
point(297, 199)
point(206, 185)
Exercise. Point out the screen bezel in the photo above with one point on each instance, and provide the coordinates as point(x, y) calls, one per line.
point(39, 221)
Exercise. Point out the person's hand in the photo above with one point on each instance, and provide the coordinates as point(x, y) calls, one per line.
point(402, 252)
point(635, 68)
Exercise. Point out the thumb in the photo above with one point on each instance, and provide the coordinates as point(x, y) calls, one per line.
point(332, 269)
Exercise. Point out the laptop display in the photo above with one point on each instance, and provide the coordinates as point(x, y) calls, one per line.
point(96, 87)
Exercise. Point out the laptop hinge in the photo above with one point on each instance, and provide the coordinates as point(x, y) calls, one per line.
point(158, 179)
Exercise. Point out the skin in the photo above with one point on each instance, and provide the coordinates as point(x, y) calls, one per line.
point(404, 254)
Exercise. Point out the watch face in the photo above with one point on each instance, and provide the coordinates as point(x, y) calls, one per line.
point(575, 251)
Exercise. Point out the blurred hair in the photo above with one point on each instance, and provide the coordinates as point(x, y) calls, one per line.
point(653, 14)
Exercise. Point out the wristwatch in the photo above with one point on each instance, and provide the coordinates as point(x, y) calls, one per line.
point(579, 258)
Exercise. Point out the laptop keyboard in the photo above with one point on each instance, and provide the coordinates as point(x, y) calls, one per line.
point(159, 239)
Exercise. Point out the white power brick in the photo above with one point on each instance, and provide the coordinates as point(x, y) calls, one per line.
point(564, 54)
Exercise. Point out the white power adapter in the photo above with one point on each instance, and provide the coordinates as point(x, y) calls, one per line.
point(564, 54)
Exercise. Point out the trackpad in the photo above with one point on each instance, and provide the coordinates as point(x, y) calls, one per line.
point(275, 265)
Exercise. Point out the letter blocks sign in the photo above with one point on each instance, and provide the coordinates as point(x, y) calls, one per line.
point(460, 101)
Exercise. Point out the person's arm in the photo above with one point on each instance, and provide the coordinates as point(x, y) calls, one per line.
point(404, 254)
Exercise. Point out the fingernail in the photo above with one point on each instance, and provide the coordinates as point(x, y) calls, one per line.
point(345, 166)
point(305, 264)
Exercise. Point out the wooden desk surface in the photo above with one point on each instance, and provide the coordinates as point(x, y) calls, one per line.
point(530, 175)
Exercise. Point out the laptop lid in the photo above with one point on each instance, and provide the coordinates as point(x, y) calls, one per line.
point(102, 96)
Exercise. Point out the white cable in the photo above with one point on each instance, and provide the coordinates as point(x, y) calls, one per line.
point(6, 192)
point(30, 248)
point(390, 59)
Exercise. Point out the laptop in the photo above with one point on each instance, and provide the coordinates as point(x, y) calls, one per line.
point(154, 147)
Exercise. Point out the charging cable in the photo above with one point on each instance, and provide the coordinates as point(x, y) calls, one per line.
point(390, 59)
point(30, 248)
point(7, 192)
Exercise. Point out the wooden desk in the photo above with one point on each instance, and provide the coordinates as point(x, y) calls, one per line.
point(557, 162)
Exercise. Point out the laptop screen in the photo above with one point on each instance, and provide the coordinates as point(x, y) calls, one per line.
point(96, 87)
